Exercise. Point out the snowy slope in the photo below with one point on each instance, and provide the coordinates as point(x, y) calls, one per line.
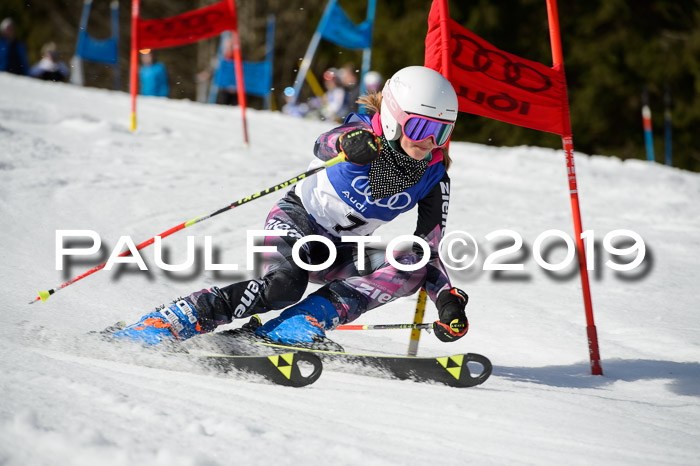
point(69, 162)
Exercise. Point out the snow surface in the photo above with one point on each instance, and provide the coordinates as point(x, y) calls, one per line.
point(68, 162)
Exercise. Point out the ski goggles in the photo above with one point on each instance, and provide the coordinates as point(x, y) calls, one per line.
point(418, 128)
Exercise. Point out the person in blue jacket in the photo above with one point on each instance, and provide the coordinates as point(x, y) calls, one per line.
point(153, 77)
point(50, 68)
point(395, 160)
point(13, 53)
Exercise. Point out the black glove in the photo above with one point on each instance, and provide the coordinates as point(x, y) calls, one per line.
point(360, 146)
point(453, 323)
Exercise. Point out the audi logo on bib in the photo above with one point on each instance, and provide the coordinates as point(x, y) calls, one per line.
point(398, 201)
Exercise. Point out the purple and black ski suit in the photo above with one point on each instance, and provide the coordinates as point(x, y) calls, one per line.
point(345, 199)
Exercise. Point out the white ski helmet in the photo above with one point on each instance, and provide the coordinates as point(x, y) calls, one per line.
point(421, 91)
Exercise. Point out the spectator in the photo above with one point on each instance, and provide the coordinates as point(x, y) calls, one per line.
point(13, 53)
point(373, 82)
point(348, 79)
point(292, 109)
point(334, 98)
point(227, 95)
point(49, 68)
point(153, 77)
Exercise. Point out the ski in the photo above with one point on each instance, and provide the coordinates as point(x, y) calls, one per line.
point(291, 369)
point(457, 370)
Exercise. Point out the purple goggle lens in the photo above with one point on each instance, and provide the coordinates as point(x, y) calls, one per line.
point(418, 129)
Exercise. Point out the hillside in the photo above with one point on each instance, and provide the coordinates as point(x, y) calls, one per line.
point(69, 162)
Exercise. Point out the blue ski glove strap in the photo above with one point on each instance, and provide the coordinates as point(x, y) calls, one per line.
point(453, 323)
point(360, 146)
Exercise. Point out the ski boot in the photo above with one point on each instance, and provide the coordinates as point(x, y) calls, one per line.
point(177, 321)
point(303, 325)
point(199, 312)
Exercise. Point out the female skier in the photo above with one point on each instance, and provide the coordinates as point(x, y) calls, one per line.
point(395, 160)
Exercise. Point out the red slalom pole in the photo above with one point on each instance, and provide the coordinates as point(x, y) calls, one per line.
point(134, 70)
point(445, 38)
point(238, 67)
point(44, 295)
point(646, 123)
point(567, 140)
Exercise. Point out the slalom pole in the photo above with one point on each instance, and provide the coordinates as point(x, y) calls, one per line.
point(311, 49)
point(367, 51)
point(667, 120)
point(44, 295)
point(134, 60)
point(238, 69)
point(415, 327)
point(313, 82)
point(114, 16)
point(646, 122)
point(567, 142)
point(417, 321)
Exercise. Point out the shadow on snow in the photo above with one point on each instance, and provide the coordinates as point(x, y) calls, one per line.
point(684, 377)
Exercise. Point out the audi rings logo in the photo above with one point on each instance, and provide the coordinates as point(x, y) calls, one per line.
point(499, 66)
point(396, 202)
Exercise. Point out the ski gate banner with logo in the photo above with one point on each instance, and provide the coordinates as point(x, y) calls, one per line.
point(182, 29)
point(496, 84)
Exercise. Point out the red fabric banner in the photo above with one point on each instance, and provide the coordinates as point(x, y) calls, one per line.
point(186, 28)
point(493, 83)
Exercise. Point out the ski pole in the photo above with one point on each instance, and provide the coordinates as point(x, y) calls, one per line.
point(44, 295)
point(427, 326)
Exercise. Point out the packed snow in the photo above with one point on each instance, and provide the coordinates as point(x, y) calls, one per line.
point(68, 161)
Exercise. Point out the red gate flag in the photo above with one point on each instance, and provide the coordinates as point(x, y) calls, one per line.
point(493, 83)
point(496, 84)
point(186, 28)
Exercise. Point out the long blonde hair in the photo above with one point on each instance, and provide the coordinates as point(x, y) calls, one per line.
point(373, 103)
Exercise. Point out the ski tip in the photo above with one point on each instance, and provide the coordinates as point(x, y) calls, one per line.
point(43, 295)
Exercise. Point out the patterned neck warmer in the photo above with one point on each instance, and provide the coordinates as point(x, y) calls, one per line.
point(393, 172)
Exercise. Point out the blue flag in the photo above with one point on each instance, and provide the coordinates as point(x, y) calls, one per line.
point(343, 32)
point(99, 51)
point(256, 75)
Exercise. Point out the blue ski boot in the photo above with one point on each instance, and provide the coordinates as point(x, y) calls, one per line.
point(177, 321)
point(303, 324)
